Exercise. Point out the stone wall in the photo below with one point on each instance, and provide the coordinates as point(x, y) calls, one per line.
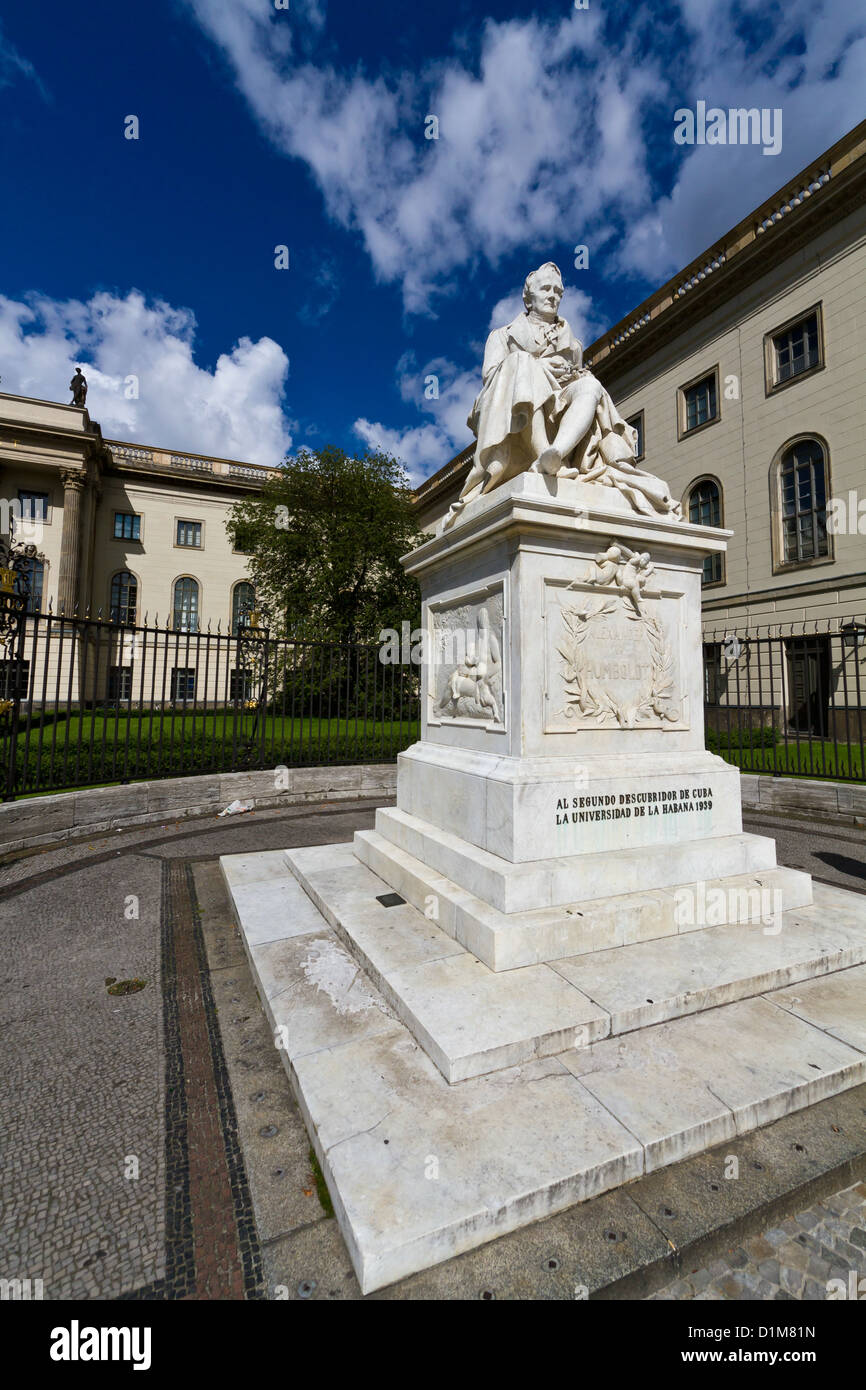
point(844, 801)
point(41, 820)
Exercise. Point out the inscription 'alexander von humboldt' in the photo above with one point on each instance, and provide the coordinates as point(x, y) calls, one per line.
point(576, 810)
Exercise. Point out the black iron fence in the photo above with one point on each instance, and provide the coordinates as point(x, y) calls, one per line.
point(85, 702)
point(788, 699)
point(88, 702)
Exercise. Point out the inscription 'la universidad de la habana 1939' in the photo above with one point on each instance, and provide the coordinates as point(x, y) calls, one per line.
point(679, 801)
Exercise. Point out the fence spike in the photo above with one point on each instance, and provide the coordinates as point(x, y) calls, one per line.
point(98, 614)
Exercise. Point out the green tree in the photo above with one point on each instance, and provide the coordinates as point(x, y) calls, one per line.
point(325, 536)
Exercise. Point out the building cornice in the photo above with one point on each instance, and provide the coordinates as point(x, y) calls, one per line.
point(817, 198)
point(443, 481)
point(155, 465)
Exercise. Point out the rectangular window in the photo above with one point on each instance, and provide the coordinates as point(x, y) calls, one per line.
point(712, 672)
point(636, 422)
point(34, 505)
point(795, 349)
point(120, 683)
point(712, 570)
point(700, 403)
point(189, 534)
point(127, 526)
point(240, 685)
point(182, 683)
point(14, 679)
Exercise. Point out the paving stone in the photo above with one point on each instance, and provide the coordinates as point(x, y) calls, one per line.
point(789, 1263)
point(72, 1219)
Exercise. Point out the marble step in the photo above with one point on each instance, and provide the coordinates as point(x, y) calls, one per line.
point(471, 1020)
point(506, 941)
point(539, 883)
point(420, 1171)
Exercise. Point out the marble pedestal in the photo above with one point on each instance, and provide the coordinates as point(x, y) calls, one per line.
point(561, 774)
point(559, 962)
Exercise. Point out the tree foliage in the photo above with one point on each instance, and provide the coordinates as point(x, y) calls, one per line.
point(325, 536)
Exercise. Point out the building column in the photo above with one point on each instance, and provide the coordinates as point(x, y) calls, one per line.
point(70, 543)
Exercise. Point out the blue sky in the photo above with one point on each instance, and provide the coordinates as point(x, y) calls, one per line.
point(153, 258)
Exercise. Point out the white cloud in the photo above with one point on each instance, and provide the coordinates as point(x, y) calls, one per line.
point(425, 447)
point(422, 448)
point(13, 65)
point(233, 410)
point(818, 91)
point(543, 129)
point(534, 139)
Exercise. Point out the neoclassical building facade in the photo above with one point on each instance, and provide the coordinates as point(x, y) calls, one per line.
point(135, 593)
point(122, 530)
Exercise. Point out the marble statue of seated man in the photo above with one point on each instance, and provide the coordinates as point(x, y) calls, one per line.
point(540, 409)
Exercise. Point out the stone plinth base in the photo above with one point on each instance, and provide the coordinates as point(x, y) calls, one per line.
point(573, 1078)
point(534, 808)
point(478, 899)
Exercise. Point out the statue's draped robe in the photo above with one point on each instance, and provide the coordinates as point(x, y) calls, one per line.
point(526, 366)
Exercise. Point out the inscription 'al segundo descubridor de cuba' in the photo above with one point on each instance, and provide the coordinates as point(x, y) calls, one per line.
point(576, 810)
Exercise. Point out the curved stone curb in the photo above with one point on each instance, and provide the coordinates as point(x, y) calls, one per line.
point(42, 820)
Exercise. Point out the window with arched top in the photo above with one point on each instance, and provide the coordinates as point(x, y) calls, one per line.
point(243, 603)
point(705, 509)
point(186, 604)
point(802, 502)
point(124, 598)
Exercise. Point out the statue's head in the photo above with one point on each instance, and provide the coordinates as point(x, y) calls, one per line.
point(542, 290)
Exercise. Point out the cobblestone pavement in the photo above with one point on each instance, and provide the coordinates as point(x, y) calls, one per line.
point(151, 1147)
point(796, 1260)
point(122, 1174)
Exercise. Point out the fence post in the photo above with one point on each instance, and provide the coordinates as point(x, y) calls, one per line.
point(263, 707)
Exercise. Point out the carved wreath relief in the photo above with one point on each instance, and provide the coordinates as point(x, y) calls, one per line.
point(466, 681)
point(618, 667)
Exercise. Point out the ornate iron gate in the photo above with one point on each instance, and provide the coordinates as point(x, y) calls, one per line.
point(14, 593)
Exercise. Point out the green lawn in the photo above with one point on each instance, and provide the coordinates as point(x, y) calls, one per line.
point(819, 759)
point(94, 749)
point(98, 749)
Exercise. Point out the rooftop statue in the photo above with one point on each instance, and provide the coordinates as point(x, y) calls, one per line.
point(541, 410)
point(78, 387)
